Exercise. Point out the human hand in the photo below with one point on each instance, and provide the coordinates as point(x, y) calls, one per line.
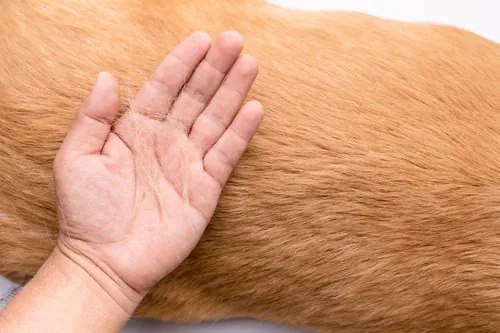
point(135, 198)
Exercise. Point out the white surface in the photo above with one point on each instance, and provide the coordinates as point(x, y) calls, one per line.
point(240, 326)
point(478, 16)
point(5, 286)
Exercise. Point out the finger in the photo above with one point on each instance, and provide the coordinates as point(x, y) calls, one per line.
point(92, 125)
point(223, 156)
point(206, 79)
point(214, 120)
point(160, 90)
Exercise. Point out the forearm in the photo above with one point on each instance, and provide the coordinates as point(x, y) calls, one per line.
point(64, 297)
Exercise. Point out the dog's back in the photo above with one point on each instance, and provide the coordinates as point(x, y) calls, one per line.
point(369, 201)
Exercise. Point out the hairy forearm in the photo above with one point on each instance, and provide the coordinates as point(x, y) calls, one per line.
point(66, 297)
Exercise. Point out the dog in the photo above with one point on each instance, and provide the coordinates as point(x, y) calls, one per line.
point(369, 200)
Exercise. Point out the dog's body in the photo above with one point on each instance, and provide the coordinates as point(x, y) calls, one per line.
point(369, 201)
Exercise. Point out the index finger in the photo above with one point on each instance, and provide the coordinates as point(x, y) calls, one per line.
point(159, 92)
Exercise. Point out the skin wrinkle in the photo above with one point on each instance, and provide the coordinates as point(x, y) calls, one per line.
point(166, 91)
point(369, 200)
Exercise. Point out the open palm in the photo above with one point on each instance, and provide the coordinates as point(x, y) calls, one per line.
point(135, 198)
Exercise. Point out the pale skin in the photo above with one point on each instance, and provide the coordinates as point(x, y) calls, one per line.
point(135, 198)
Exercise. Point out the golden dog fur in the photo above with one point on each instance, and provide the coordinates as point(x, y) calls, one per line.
point(369, 201)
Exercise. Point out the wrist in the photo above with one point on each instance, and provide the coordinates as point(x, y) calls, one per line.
point(67, 295)
point(96, 277)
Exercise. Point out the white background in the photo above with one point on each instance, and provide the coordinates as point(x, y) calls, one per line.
point(479, 16)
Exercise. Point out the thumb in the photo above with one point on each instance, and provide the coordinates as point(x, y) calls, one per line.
point(92, 124)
